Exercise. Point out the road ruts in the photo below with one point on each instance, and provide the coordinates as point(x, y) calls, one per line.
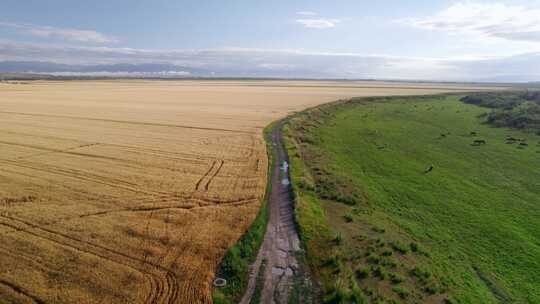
point(281, 240)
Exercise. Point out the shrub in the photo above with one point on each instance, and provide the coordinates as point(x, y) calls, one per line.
point(338, 239)
point(373, 258)
point(380, 272)
point(399, 247)
point(348, 217)
point(387, 252)
point(449, 301)
point(432, 288)
point(357, 296)
point(389, 262)
point(338, 294)
point(332, 261)
point(378, 229)
point(396, 278)
point(417, 248)
point(362, 272)
point(369, 291)
point(401, 291)
point(422, 274)
point(519, 110)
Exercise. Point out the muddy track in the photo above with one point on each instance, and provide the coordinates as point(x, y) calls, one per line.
point(281, 241)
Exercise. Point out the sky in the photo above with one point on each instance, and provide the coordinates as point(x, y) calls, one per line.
point(416, 39)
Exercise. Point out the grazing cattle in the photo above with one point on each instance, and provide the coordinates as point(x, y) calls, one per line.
point(473, 133)
point(445, 134)
point(479, 142)
point(429, 169)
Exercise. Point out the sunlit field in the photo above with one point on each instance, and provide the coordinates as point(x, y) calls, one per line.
point(131, 191)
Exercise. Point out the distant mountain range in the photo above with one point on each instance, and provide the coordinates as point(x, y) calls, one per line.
point(27, 70)
point(135, 70)
point(48, 70)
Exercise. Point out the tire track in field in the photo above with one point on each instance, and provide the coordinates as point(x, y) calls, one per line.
point(102, 198)
point(70, 151)
point(81, 175)
point(198, 184)
point(48, 150)
point(155, 282)
point(149, 277)
point(161, 291)
point(64, 151)
point(172, 155)
point(169, 207)
point(30, 259)
point(214, 175)
point(21, 291)
point(133, 149)
point(136, 123)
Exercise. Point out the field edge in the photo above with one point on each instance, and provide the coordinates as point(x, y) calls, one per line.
point(235, 265)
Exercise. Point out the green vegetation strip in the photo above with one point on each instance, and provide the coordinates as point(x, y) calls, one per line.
point(234, 266)
point(416, 199)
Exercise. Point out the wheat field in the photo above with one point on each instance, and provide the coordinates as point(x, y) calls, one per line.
point(130, 191)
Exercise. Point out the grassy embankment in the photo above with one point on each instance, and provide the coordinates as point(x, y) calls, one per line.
point(234, 266)
point(381, 227)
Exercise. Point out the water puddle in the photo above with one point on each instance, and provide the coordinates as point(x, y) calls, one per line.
point(285, 166)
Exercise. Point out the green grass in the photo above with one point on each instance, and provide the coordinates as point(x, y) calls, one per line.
point(469, 230)
point(234, 266)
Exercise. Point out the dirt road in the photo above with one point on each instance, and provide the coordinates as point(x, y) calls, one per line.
point(281, 241)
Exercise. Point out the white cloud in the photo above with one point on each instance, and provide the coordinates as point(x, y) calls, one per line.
point(485, 20)
point(318, 23)
point(161, 74)
point(307, 13)
point(277, 66)
point(290, 63)
point(87, 36)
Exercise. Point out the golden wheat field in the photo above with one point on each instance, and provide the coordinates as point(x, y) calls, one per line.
point(130, 191)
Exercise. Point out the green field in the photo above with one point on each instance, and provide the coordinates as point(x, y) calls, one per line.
point(378, 228)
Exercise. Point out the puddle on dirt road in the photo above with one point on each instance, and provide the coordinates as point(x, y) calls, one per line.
point(285, 181)
point(285, 166)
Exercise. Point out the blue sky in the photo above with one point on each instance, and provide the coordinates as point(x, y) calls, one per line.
point(440, 40)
